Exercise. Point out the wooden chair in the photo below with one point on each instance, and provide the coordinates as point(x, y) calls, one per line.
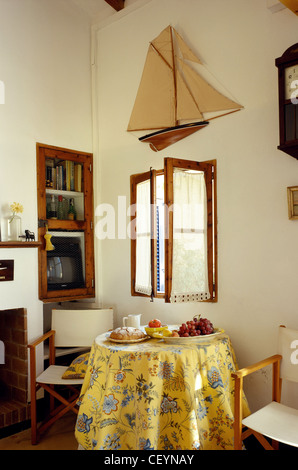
point(70, 328)
point(276, 421)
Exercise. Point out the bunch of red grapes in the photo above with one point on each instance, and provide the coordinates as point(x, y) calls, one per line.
point(196, 327)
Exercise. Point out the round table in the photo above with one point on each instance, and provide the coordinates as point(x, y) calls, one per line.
point(158, 395)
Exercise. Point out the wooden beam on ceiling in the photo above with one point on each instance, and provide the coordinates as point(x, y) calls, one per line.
point(116, 4)
point(274, 6)
point(291, 4)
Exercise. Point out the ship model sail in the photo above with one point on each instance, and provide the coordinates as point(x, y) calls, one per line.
point(173, 99)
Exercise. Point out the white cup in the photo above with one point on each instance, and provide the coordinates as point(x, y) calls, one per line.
point(132, 320)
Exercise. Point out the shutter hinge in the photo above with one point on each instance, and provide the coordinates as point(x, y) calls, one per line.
point(42, 223)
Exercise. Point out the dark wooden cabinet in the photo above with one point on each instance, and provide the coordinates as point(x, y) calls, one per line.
point(65, 175)
point(287, 66)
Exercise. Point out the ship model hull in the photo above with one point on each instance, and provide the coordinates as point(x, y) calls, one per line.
point(162, 139)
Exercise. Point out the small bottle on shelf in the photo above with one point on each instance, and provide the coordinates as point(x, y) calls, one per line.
point(65, 206)
point(60, 208)
point(71, 211)
point(52, 208)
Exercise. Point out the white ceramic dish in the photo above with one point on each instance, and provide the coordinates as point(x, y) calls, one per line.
point(128, 340)
point(183, 339)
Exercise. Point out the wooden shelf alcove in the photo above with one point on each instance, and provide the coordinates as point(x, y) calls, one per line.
point(19, 244)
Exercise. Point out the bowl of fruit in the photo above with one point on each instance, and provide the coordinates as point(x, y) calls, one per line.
point(155, 329)
point(197, 328)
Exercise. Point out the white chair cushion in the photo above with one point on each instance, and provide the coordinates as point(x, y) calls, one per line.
point(276, 421)
point(53, 376)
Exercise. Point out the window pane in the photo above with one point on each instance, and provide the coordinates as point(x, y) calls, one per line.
point(189, 264)
point(143, 239)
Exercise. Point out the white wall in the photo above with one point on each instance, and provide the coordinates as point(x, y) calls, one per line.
point(238, 40)
point(45, 65)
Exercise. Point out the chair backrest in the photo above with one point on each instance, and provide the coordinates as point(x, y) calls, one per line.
point(79, 328)
point(288, 348)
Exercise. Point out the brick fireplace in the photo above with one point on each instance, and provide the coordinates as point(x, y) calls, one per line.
point(14, 407)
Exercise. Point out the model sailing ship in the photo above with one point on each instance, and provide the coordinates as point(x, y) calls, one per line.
point(173, 99)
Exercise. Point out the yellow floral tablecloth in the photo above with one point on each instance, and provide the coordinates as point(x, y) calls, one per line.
point(158, 396)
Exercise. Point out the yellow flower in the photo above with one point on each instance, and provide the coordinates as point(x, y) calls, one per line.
point(16, 208)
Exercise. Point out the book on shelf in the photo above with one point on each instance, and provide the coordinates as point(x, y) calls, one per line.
point(49, 173)
point(65, 175)
point(60, 176)
point(69, 176)
point(78, 177)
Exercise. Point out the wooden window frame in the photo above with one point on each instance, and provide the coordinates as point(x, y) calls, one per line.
point(209, 169)
point(134, 181)
point(157, 295)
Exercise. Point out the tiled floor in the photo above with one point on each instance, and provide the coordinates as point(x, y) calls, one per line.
point(59, 437)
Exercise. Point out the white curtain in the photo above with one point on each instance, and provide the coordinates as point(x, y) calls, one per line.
point(190, 270)
point(143, 283)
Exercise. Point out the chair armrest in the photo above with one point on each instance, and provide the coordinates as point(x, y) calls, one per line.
point(238, 376)
point(41, 339)
point(32, 348)
point(257, 366)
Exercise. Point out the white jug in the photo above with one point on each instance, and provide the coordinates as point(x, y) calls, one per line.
point(132, 320)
